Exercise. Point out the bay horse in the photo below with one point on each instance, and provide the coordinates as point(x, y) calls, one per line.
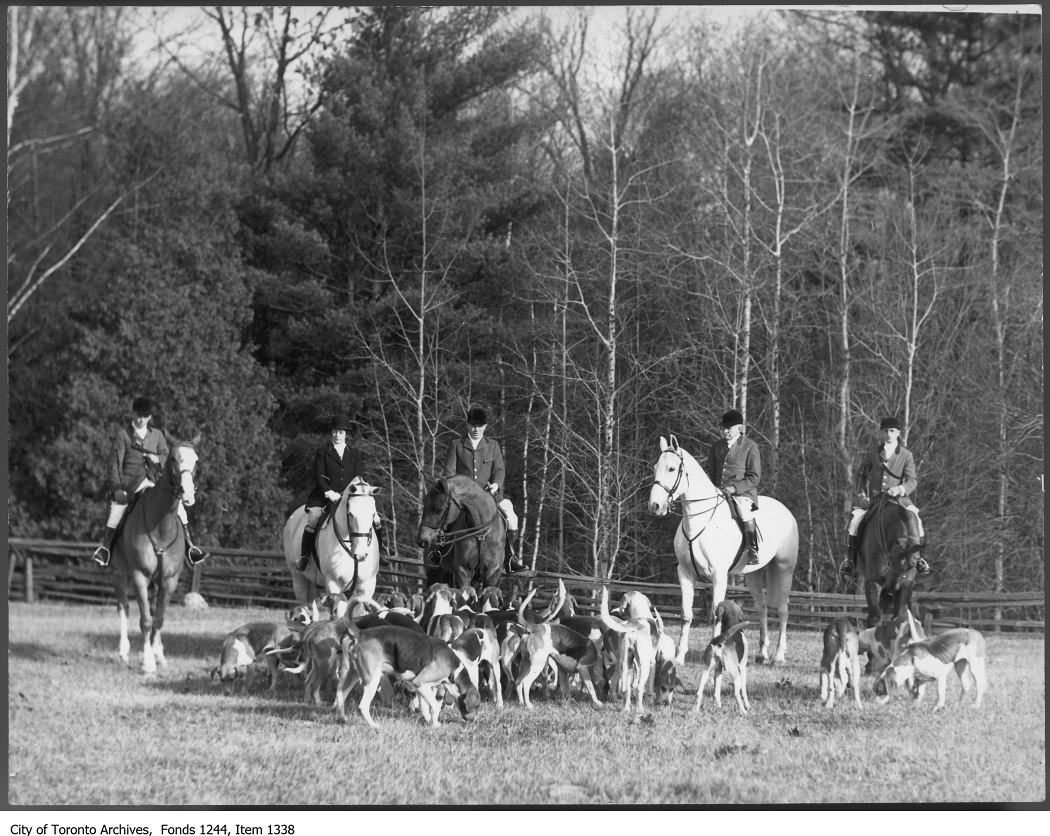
point(458, 512)
point(346, 543)
point(709, 538)
point(887, 550)
point(149, 550)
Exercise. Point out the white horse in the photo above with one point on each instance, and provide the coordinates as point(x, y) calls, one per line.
point(709, 539)
point(346, 544)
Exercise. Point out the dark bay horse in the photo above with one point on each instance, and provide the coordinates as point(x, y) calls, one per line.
point(149, 551)
point(459, 512)
point(887, 551)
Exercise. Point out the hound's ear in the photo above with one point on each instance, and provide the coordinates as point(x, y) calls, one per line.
point(912, 626)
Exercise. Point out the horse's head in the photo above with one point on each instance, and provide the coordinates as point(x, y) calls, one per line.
point(359, 500)
point(668, 477)
point(182, 462)
point(440, 510)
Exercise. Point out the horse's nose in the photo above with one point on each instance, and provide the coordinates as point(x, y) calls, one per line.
point(655, 508)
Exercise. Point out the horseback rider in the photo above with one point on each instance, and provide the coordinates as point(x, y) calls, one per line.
point(481, 459)
point(335, 466)
point(139, 455)
point(889, 468)
point(735, 465)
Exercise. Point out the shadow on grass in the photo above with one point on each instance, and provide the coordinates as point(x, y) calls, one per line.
point(31, 651)
point(181, 645)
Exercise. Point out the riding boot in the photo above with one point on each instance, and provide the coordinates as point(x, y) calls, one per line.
point(101, 554)
point(751, 536)
point(514, 564)
point(308, 546)
point(193, 554)
point(846, 570)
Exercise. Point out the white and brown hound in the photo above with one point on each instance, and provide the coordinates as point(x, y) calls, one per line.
point(961, 650)
point(840, 662)
point(637, 652)
point(243, 646)
point(726, 653)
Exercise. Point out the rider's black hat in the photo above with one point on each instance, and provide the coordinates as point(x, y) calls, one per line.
point(339, 422)
point(889, 424)
point(142, 407)
point(732, 418)
point(476, 417)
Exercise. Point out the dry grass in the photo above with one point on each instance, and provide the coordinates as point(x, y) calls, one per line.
point(84, 730)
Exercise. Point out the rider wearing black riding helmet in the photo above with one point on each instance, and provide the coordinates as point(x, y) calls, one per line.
point(889, 468)
point(735, 465)
point(481, 459)
point(335, 464)
point(138, 455)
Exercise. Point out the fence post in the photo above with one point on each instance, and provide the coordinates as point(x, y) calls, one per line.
point(29, 579)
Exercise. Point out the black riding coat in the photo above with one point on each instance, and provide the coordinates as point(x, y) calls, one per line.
point(333, 472)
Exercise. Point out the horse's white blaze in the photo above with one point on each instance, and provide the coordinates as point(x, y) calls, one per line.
point(360, 512)
point(354, 513)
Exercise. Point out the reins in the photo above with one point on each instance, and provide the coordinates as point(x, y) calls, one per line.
point(443, 537)
point(719, 498)
point(350, 588)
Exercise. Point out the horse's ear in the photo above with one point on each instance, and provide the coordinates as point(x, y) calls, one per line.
point(196, 440)
point(441, 484)
point(672, 443)
point(663, 444)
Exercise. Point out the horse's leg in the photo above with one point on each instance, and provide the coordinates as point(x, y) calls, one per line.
point(685, 581)
point(120, 585)
point(149, 663)
point(165, 591)
point(778, 593)
point(719, 583)
point(872, 593)
point(756, 582)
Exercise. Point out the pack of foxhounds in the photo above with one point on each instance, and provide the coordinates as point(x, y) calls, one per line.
point(459, 647)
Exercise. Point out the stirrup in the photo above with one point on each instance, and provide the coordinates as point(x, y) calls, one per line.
point(922, 567)
point(522, 569)
point(846, 569)
point(195, 556)
point(101, 556)
point(303, 563)
point(753, 558)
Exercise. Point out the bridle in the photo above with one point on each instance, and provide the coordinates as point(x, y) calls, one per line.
point(351, 587)
point(477, 531)
point(719, 497)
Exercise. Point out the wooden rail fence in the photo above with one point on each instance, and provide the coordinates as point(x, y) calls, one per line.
point(61, 570)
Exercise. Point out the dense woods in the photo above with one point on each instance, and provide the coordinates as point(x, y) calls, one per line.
point(818, 218)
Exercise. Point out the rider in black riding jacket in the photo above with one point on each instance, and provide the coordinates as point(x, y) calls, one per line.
point(481, 459)
point(139, 454)
point(889, 468)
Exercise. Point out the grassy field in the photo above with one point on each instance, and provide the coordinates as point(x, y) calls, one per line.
point(84, 730)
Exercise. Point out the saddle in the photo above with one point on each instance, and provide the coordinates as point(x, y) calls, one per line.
point(326, 515)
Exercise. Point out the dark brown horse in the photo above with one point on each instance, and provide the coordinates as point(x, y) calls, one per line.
point(149, 550)
point(460, 514)
point(887, 551)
